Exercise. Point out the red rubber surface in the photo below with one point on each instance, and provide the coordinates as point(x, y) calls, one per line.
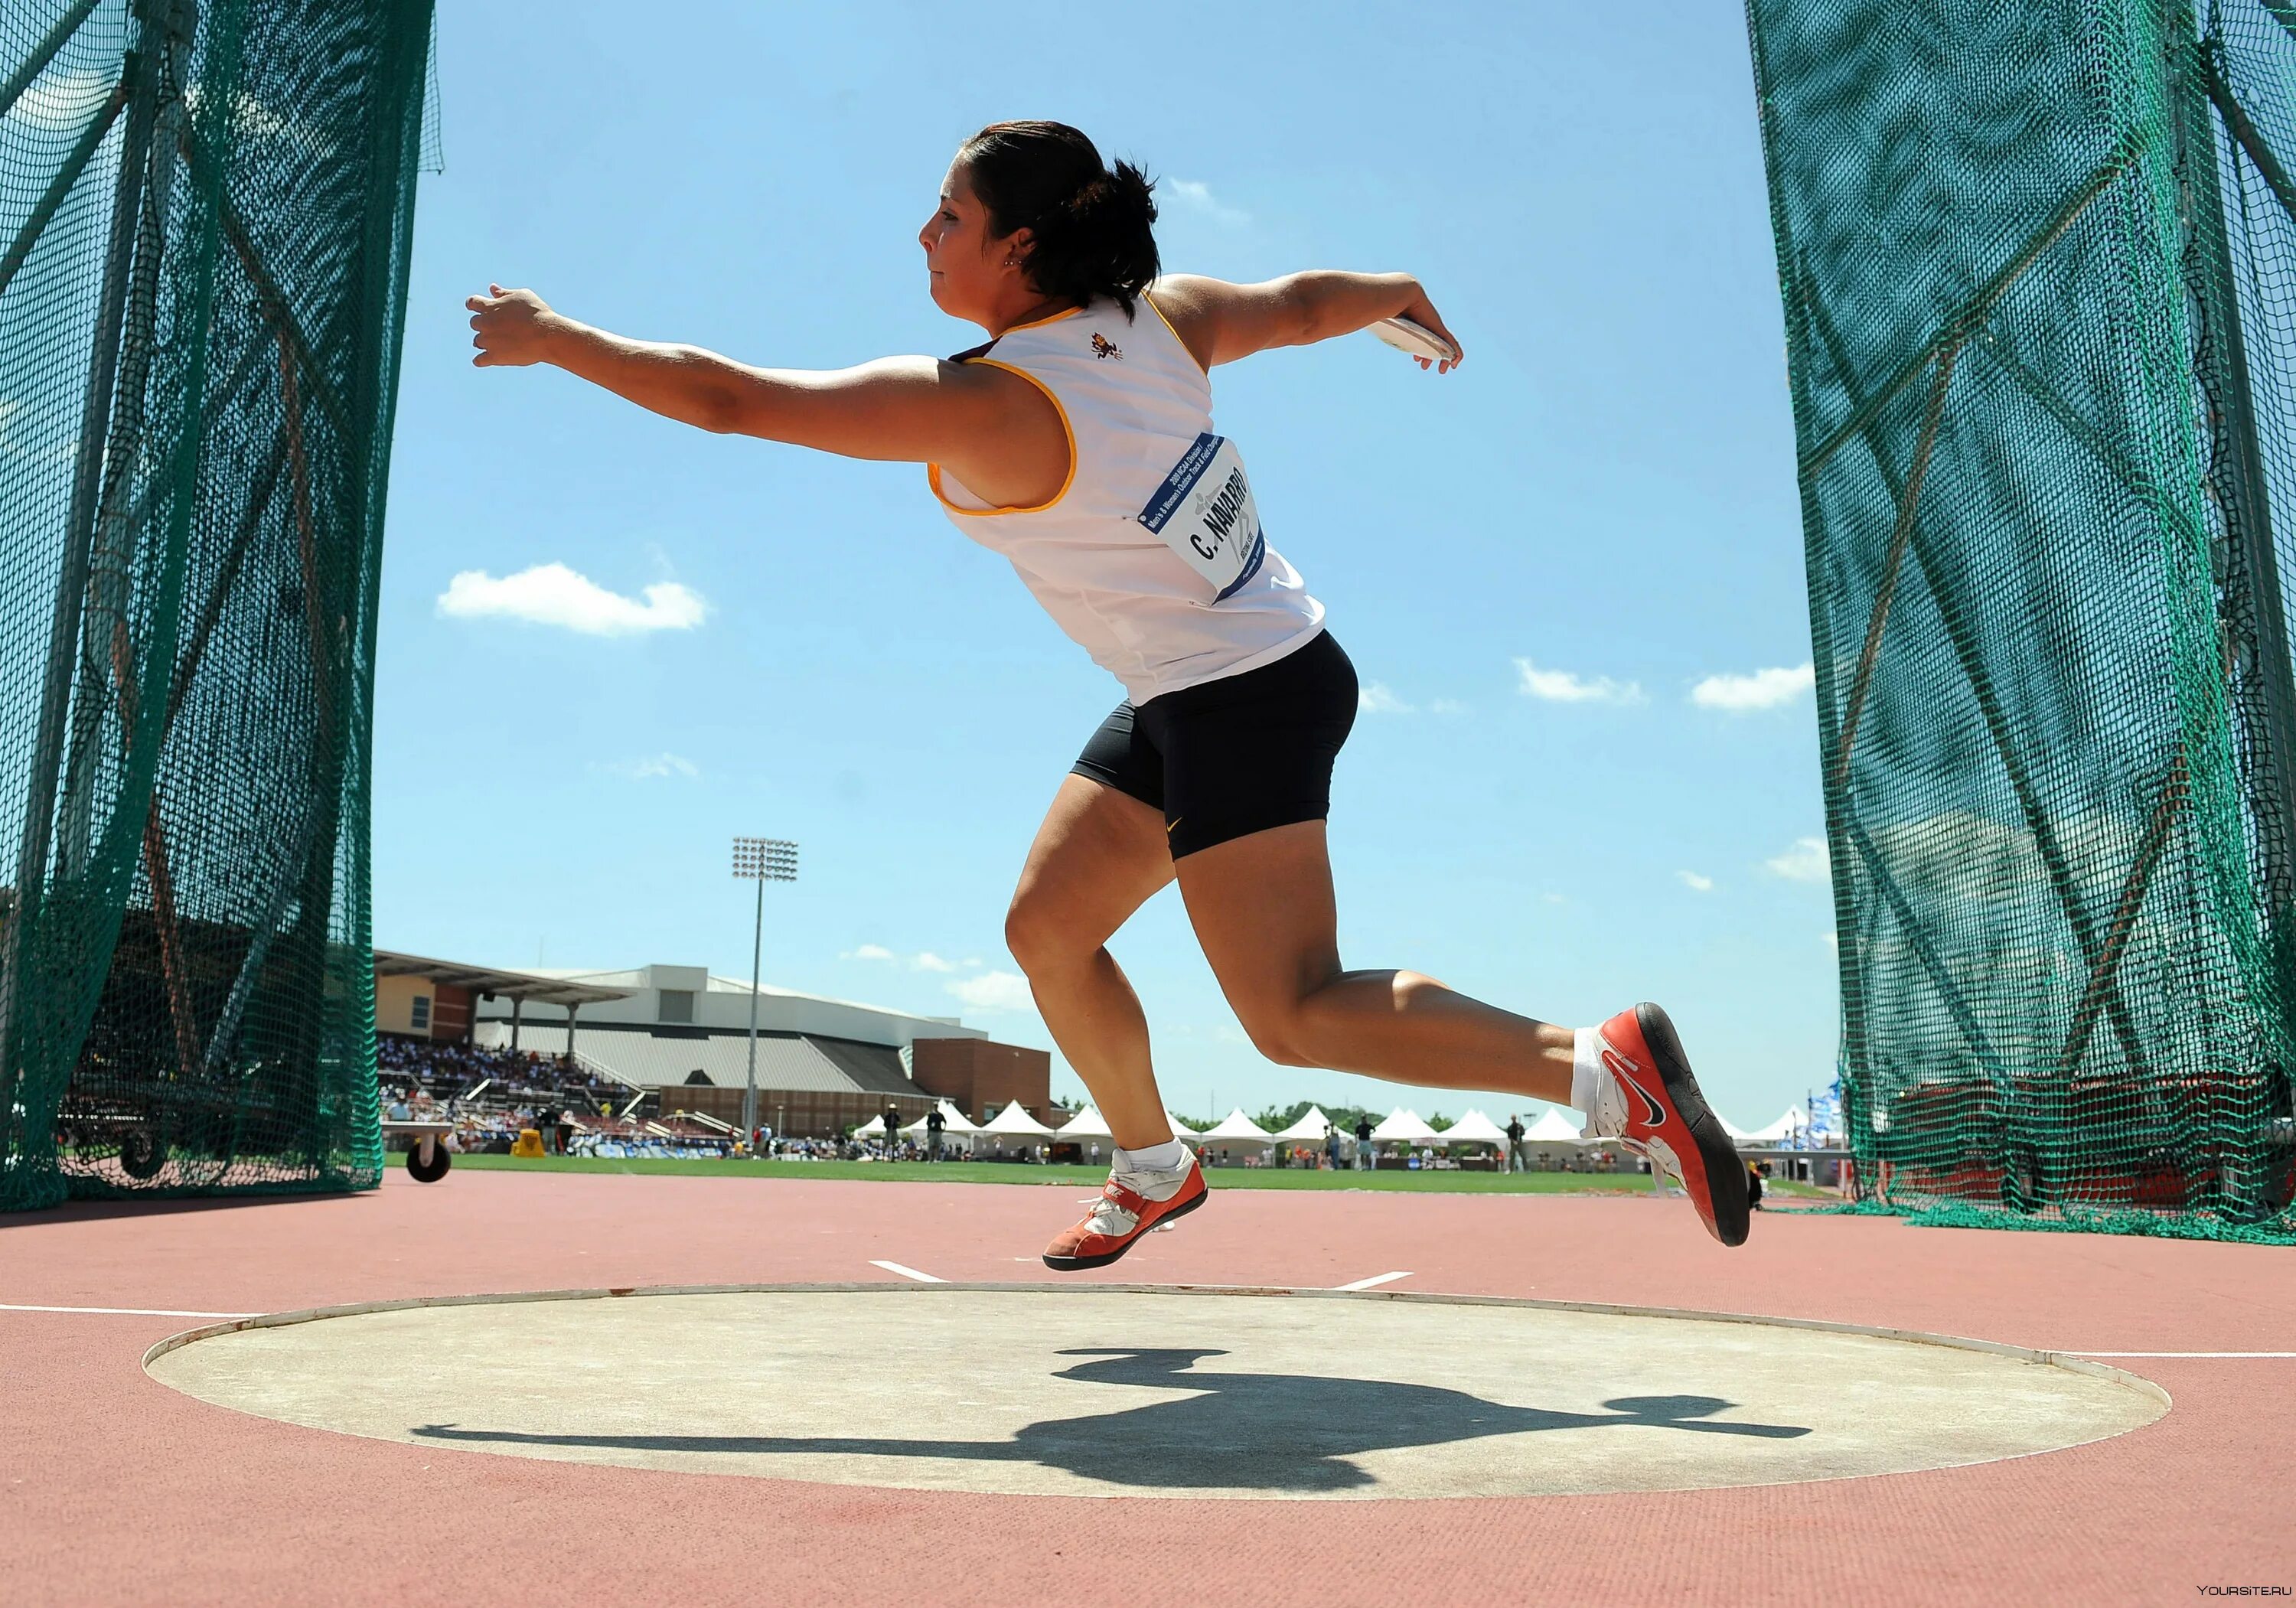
point(114, 1488)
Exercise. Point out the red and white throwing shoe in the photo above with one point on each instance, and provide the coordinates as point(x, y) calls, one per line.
point(1122, 1214)
point(1650, 1103)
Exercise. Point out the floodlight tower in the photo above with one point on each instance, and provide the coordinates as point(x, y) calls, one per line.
point(759, 860)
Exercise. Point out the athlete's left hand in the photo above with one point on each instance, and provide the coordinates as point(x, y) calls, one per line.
point(514, 328)
point(1422, 313)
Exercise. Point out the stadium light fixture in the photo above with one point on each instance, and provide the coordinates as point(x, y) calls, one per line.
point(759, 860)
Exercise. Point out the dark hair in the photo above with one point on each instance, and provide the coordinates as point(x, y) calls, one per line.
point(1094, 228)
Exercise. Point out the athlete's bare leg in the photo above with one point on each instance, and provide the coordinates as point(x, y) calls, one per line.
point(1098, 856)
point(1263, 908)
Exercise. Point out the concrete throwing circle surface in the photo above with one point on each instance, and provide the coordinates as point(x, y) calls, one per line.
point(1099, 1392)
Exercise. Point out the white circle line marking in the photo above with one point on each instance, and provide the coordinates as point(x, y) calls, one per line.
point(126, 1312)
point(2204, 1354)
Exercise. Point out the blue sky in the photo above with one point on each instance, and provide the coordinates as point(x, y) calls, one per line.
point(1536, 563)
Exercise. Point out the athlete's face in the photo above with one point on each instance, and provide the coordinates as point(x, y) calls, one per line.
point(969, 273)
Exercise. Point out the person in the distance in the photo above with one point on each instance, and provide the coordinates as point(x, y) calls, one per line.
point(1077, 442)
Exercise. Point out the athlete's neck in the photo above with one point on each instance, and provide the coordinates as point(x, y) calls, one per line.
point(1035, 312)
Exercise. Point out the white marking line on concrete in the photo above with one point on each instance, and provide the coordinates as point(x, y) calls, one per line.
point(1375, 1280)
point(922, 1278)
point(2207, 1354)
point(126, 1311)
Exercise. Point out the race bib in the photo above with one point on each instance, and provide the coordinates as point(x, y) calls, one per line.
point(1204, 512)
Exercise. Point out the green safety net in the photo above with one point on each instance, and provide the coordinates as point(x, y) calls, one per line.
point(205, 215)
point(2040, 270)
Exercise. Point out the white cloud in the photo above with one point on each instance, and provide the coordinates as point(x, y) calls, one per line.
point(1560, 687)
point(1833, 942)
point(657, 764)
point(552, 594)
point(1763, 689)
point(972, 960)
point(928, 962)
point(1199, 196)
point(867, 952)
point(1804, 862)
point(1377, 700)
point(1553, 898)
point(994, 991)
point(1446, 707)
point(1695, 882)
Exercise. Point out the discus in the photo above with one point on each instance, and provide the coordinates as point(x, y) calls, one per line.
point(1416, 339)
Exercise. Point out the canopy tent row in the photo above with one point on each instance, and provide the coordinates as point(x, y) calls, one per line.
point(1473, 1129)
point(1314, 1129)
point(1236, 1127)
point(1087, 1124)
point(1014, 1123)
point(1403, 1128)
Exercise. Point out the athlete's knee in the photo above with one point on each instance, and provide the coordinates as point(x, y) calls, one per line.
point(1276, 1033)
point(1042, 936)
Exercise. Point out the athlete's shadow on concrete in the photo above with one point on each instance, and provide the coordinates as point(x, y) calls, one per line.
point(1259, 1431)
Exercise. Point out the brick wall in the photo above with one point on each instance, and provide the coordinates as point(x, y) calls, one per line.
point(981, 1077)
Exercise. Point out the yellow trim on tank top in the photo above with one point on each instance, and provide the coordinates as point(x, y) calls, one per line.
point(1047, 319)
point(1192, 358)
point(932, 470)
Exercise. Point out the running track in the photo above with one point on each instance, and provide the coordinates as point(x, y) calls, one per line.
point(118, 1490)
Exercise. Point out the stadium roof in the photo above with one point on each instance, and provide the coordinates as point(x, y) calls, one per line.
point(794, 1061)
point(483, 980)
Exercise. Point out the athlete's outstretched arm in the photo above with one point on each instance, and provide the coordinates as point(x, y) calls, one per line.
point(902, 409)
point(1220, 321)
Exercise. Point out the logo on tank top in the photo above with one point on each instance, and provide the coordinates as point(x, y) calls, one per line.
point(1102, 349)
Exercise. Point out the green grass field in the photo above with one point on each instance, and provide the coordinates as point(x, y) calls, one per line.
point(1007, 1172)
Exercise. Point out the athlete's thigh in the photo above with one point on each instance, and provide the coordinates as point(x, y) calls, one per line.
point(1098, 856)
point(1264, 912)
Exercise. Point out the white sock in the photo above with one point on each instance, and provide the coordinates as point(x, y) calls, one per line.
point(1170, 1156)
point(1587, 1070)
point(1594, 1091)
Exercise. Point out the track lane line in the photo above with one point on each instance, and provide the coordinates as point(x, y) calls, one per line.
point(922, 1278)
point(1373, 1282)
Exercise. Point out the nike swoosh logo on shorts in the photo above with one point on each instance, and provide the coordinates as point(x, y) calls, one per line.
point(1623, 1071)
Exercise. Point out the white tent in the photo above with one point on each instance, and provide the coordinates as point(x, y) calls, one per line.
point(1795, 1121)
point(1181, 1130)
point(1552, 1129)
point(1402, 1127)
point(1730, 1127)
point(1087, 1124)
point(1311, 1128)
point(1237, 1126)
point(1014, 1121)
point(1473, 1129)
point(874, 1129)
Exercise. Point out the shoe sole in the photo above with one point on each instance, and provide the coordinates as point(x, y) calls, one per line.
point(1077, 1264)
point(1726, 1175)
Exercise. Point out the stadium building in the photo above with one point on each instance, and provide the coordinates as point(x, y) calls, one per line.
point(824, 1065)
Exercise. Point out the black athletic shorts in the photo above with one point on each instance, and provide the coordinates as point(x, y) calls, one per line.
point(1233, 755)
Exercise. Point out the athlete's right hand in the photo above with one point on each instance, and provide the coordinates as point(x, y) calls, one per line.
point(1422, 313)
point(512, 327)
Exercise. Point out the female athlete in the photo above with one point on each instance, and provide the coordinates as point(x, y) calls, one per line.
point(1077, 442)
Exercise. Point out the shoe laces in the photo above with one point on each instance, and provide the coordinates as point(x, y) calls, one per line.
point(1111, 1218)
point(1608, 1119)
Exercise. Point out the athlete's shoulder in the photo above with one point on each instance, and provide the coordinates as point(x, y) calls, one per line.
point(1219, 322)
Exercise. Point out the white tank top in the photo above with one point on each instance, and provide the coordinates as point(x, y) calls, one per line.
point(1151, 557)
